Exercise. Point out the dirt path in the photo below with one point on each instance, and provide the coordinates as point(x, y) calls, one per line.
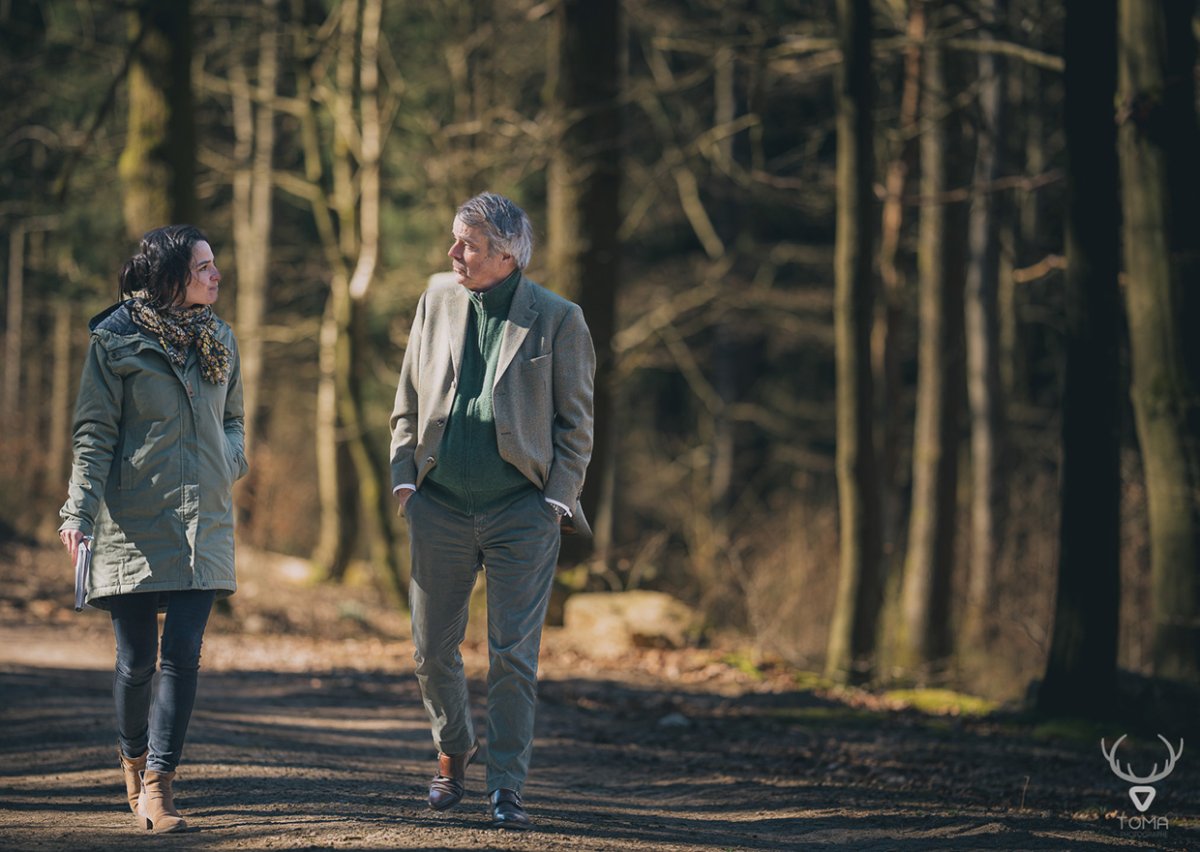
point(307, 743)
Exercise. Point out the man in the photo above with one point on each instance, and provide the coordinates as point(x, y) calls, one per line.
point(491, 437)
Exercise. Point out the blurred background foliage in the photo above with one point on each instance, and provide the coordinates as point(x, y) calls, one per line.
point(331, 137)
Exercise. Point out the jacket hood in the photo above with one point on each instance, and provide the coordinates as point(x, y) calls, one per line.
point(115, 318)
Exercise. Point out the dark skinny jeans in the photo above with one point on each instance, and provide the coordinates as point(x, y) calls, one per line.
point(149, 717)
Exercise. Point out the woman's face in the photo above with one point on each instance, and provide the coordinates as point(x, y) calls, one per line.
point(205, 279)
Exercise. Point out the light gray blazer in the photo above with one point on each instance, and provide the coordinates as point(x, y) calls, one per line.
point(542, 396)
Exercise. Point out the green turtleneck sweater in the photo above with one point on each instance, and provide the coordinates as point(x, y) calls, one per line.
point(470, 474)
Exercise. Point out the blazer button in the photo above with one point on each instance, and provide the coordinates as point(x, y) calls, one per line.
point(441, 421)
point(429, 460)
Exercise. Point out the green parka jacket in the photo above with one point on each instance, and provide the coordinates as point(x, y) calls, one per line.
point(157, 450)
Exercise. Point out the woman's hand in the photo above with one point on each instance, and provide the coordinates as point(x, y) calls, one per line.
point(71, 539)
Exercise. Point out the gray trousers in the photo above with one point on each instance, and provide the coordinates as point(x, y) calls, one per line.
point(517, 546)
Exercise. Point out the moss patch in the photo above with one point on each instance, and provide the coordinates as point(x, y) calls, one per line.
point(942, 702)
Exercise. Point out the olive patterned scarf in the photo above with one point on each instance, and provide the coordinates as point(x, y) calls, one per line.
point(178, 329)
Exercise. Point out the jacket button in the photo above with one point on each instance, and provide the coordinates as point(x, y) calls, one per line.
point(429, 460)
point(441, 421)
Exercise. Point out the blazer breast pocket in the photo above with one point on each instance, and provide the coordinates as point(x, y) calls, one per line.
point(532, 385)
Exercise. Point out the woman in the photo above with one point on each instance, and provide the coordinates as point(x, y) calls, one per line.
point(158, 445)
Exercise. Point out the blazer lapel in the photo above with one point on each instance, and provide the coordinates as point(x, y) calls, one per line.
point(522, 314)
point(456, 326)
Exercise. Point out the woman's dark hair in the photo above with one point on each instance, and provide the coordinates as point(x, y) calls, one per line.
point(161, 268)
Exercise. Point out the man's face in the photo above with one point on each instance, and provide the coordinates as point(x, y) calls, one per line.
point(475, 266)
point(203, 283)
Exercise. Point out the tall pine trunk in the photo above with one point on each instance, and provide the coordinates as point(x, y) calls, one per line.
point(1160, 191)
point(887, 337)
point(583, 195)
point(254, 129)
point(1081, 669)
point(14, 340)
point(856, 614)
point(62, 373)
point(983, 345)
point(924, 634)
point(158, 164)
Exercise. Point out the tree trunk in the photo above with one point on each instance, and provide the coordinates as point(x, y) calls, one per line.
point(583, 196)
point(338, 523)
point(375, 494)
point(1081, 670)
point(158, 163)
point(254, 128)
point(729, 222)
point(62, 369)
point(856, 614)
point(355, 199)
point(1029, 243)
point(924, 629)
point(14, 343)
point(983, 345)
point(335, 533)
point(341, 518)
point(1160, 190)
point(889, 325)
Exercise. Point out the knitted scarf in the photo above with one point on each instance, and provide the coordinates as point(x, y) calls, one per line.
point(178, 329)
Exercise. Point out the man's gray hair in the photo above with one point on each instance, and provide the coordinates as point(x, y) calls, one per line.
point(506, 225)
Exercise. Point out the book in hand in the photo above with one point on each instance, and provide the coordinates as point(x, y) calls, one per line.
point(83, 567)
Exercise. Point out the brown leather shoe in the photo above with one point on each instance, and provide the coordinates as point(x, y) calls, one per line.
point(507, 810)
point(446, 789)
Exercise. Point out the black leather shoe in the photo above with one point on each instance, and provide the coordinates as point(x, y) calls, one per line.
point(446, 789)
point(507, 811)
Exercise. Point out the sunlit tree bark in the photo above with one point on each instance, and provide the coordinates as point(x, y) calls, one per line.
point(350, 238)
point(158, 164)
point(890, 323)
point(254, 129)
point(729, 223)
point(856, 614)
point(924, 634)
point(983, 344)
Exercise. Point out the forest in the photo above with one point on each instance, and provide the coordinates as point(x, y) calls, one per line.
point(891, 298)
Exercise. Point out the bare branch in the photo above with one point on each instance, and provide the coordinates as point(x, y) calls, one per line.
point(1026, 183)
point(1028, 55)
point(1041, 269)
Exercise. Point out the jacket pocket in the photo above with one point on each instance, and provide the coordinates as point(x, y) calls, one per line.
point(127, 478)
point(535, 378)
point(231, 463)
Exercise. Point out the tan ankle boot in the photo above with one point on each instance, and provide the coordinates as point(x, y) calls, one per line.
point(133, 767)
point(156, 803)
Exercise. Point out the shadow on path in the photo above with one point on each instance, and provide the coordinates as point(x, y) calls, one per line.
point(341, 759)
